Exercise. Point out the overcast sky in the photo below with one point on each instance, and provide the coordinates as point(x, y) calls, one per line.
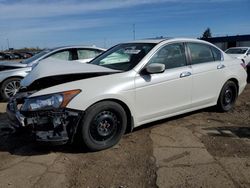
point(50, 23)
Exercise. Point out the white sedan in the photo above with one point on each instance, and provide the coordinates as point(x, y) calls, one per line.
point(127, 86)
point(12, 73)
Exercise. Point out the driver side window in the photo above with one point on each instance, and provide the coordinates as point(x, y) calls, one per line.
point(62, 55)
point(172, 56)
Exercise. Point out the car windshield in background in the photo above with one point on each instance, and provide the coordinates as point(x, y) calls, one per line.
point(236, 51)
point(123, 57)
point(33, 58)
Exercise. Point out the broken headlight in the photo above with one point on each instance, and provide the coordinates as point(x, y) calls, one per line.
point(49, 102)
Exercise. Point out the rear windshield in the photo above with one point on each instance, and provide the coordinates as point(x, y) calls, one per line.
point(236, 51)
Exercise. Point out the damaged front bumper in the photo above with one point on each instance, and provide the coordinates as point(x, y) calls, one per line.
point(54, 126)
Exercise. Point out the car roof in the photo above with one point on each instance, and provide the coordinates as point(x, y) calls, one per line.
point(157, 41)
point(150, 40)
point(239, 47)
point(77, 46)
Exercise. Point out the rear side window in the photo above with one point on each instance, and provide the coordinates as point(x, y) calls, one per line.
point(87, 54)
point(200, 53)
point(62, 55)
point(216, 53)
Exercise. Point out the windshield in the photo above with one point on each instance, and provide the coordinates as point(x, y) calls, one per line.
point(35, 57)
point(123, 57)
point(236, 51)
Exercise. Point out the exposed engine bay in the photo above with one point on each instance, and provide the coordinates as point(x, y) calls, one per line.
point(57, 126)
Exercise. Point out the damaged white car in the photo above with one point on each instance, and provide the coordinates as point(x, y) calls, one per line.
point(129, 85)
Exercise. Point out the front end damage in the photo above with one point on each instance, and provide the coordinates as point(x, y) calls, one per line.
point(47, 115)
point(56, 126)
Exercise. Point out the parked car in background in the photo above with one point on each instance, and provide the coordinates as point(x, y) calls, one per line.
point(2, 56)
point(12, 73)
point(27, 54)
point(19, 55)
point(242, 53)
point(9, 56)
point(6, 56)
point(12, 56)
point(129, 85)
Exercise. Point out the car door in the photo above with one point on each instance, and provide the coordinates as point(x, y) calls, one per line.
point(159, 95)
point(208, 73)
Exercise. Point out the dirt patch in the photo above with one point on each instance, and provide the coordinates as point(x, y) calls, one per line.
point(220, 146)
point(229, 133)
point(128, 164)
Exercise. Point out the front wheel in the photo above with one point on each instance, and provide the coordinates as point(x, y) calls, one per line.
point(228, 96)
point(9, 88)
point(103, 125)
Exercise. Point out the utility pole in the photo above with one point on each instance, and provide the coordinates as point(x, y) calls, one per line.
point(8, 43)
point(134, 31)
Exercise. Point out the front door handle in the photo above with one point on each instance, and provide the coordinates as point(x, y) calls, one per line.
point(221, 66)
point(185, 74)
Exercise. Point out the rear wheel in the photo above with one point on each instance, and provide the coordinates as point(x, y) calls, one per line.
point(103, 125)
point(228, 96)
point(10, 87)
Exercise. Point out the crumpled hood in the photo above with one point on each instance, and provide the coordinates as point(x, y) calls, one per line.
point(53, 67)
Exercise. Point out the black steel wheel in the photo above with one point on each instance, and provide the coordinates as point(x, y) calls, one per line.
point(103, 125)
point(228, 96)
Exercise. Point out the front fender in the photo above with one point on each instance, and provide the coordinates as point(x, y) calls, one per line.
point(81, 103)
point(22, 72)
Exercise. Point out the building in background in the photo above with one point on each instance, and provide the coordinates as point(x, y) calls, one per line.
point(230, 41)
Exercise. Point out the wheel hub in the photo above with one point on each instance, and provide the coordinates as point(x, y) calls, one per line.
point(228, 96)
point(12, 88)
point(104, 128)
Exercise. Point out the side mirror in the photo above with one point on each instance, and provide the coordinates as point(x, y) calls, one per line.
point(155, 68)
point(248, 53)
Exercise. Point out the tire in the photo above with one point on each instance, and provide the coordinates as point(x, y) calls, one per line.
point(103, 125)
point(228, 96)
point(9, 88)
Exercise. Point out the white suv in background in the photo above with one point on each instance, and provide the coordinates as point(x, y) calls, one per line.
point(242, 53)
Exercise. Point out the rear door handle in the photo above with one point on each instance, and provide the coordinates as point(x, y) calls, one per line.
point(185, 74)
point(221, 66)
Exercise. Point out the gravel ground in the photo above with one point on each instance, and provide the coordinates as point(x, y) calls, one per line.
point(199, 149)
